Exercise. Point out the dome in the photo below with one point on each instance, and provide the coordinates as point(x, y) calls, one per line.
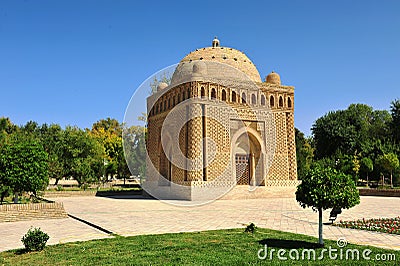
point(223, 55)
point(273, 78)
point(161, 86)
point(199, 67)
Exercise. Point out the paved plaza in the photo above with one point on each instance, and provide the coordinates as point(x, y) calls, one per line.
point(137, 216)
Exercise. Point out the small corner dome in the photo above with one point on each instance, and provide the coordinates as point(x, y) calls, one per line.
point(273, 78)
point(161, 86)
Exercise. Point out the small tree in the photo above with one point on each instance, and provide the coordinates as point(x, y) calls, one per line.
point(324, 188)
point(366, 166)
point(23, 167)
point(389, 162)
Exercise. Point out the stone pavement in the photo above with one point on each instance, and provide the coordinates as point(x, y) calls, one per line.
point(125, 216)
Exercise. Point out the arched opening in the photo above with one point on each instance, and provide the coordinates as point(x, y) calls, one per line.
point(223, 95)
point(213, 94)
point(233, 96)
point(289, 102)
point(203, 92)
point(263, 100)
point(165, 105)
point(271, 101)
point(280, 101)
point(247, 155)
point(253, 99)
point(243, 97)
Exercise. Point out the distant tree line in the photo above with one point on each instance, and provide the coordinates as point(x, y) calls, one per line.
point(31, 154)
point(359, 141)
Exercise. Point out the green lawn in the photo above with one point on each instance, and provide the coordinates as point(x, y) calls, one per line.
point(221, 247)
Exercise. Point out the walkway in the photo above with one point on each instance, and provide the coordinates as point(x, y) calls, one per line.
point(129, 217)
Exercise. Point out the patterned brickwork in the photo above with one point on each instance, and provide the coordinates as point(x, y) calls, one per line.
point(194, 152)
point(218, 144)
point(291, 146)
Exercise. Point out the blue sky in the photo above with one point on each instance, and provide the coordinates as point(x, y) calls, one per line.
point(75, 62)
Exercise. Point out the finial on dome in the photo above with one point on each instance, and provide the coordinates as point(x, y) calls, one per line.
point(215, 42)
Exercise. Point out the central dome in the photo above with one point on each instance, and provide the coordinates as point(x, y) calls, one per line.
point(224, 55)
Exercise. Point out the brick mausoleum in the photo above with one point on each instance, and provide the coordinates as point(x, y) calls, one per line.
point(218, 130)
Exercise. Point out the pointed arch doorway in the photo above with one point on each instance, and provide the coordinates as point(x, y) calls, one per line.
point(247, 157)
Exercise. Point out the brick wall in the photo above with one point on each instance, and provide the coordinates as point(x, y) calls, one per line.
point(33, 211)
point(66, 193)
point(379, 192)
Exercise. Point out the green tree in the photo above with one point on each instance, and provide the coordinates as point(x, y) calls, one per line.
point(109, 133)
point(395, 125)
point(350, 131)
point(135, 149)
point(324, 188)
point(304, 153)
point(82, 156)
point(388, 162)
point(6, 128)
point(23, 166)
point(51, 137)
point(366, 167)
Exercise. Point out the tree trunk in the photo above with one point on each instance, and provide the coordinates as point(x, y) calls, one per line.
point(320, 238)
point(367, 181)
point(391, 179)
point(56, 183)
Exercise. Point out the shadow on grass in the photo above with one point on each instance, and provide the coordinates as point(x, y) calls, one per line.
point(288, 244)
point(21, 251)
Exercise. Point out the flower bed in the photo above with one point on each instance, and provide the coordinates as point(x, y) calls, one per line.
point(385, 225)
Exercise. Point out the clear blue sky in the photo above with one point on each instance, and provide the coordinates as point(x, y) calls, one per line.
point(75, 62)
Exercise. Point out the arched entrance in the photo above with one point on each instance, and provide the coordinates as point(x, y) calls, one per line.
point(247, 157)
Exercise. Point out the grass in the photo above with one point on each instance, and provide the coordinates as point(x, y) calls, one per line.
point(220, 247)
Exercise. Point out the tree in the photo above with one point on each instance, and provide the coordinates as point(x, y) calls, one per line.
point(109, 133)
point(23, 166)
point(366, 167)
point(304, 153)
point(395, 125)
point(135, 149)
point(51, 138)
point(388, 162)
point(6, 128)
point(324, 188)
point(82, 156)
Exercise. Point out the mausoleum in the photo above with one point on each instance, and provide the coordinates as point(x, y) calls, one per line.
point(219, 130)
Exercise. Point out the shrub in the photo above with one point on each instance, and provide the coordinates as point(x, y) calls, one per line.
point(35, 239)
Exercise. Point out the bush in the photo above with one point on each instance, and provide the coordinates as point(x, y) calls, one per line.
point(35, 239)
